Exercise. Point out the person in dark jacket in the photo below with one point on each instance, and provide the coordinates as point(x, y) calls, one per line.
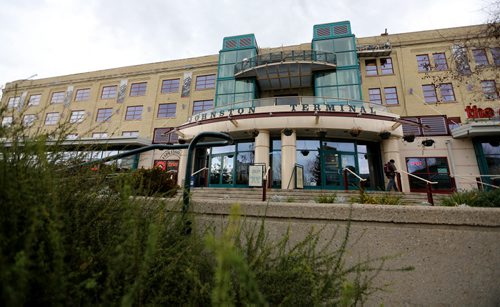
point(390, 172)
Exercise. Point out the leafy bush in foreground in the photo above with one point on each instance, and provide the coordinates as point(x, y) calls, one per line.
point(66, 239)
point(384, 199)
point(474, 198)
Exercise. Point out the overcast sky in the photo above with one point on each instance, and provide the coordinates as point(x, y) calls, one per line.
point(59, 37)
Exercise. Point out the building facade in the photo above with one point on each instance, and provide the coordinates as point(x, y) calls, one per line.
point(429, 100)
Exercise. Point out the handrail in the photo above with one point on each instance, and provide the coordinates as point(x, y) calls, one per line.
point(356, 175)
point(198, 171)
point(480, 182)
point(420, 178)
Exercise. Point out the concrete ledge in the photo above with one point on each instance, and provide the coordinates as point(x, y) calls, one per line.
point(459, 216)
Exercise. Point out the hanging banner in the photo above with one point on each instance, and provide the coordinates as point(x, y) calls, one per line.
point(69, 95)
point(186, 85)
point(122, 89)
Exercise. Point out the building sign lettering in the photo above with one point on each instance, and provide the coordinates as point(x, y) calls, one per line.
point(475, 112)
point(293, 108)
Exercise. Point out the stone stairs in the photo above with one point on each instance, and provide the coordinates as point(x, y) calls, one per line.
point(295, 196)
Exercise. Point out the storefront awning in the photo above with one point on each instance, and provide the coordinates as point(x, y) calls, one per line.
point(477, 128)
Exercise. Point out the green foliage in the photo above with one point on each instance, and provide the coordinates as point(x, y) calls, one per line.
point(154, 181)
point(326, 198)
point(384, 199)
point(290, 199)
point(70, 236)
point(474, 198)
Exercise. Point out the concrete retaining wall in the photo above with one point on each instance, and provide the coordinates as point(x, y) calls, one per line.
point(455, 251)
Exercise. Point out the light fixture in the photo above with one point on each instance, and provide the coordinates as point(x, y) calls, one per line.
point(305, 153)
point(181, 141)
point(409, 138)
point(384, 135)
point(428, 142)
point(255, 133)
point(287, 132)
point(354, 132)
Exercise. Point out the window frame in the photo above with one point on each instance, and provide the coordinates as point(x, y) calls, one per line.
point(133, 114)
point(495, 55)
point(387, 66)
point(423, 63)
point(441, 123)
point(369, 63)
point(99, 135)
point(57, 97)
point(7, 121)
point(82, 94)
point(107, 93)
point(480, 57)
point(391, 99)
point(101, 115)
point(138, 89)
point(424, 91)
point(14, 102)
point(74, 118)
point(31, 122)
point(375, 89)
point(166, 113)
point(203, 109)
point(427, 174)
point(490, 95)
point(450, 89)
point(52, 122)
point(133, 133)
point(34, 100)
point(204, 81)
point(167, 86)
point(440, 63)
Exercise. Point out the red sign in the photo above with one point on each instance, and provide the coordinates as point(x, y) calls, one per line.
point(475, 112)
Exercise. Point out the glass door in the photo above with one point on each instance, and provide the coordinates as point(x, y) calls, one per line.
point(221, 169)
point(332, 170)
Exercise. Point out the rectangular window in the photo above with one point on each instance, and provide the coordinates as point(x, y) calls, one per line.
point(104, 115)
point(130, 133)
point(134, 113)
point(170, 86)
point(453, 122)
point(429, 168)
point(202, 106)
point(108, 92)
point(386, 66)
point(77, 116)
point(440, 61)
point(7, 121)
point(489, 89)
point(429, 93)
point(167, 110)
point(34, 100)
point(480, 57)
point(391, 96)
point(495, 54)
point(51, 118)
point(82, 94)
point(165, 136)
point(57, 97)
point(204, 82)
point(99, 135)
point(425, 125)
point(14, 102)
point(447, 92)
point(375, 96)
point(29, 120)
point(371, 67)
point(423, 63)
point(138, 89)
point(72, 136)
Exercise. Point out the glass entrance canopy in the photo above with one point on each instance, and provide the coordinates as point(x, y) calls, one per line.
point(285, 69)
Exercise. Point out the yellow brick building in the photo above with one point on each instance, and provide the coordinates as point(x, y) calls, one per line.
point(428, 100)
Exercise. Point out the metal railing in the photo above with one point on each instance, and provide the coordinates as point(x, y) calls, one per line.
point(478, 180)
point(429, 184)
point(346, 180)
point(285, 56)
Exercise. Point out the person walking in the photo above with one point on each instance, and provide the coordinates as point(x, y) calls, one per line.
point(390, 173)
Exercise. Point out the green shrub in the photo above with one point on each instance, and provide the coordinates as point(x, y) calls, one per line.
point(473, 198)
point(154, 181)
point(326, 198)
point(384, 199)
